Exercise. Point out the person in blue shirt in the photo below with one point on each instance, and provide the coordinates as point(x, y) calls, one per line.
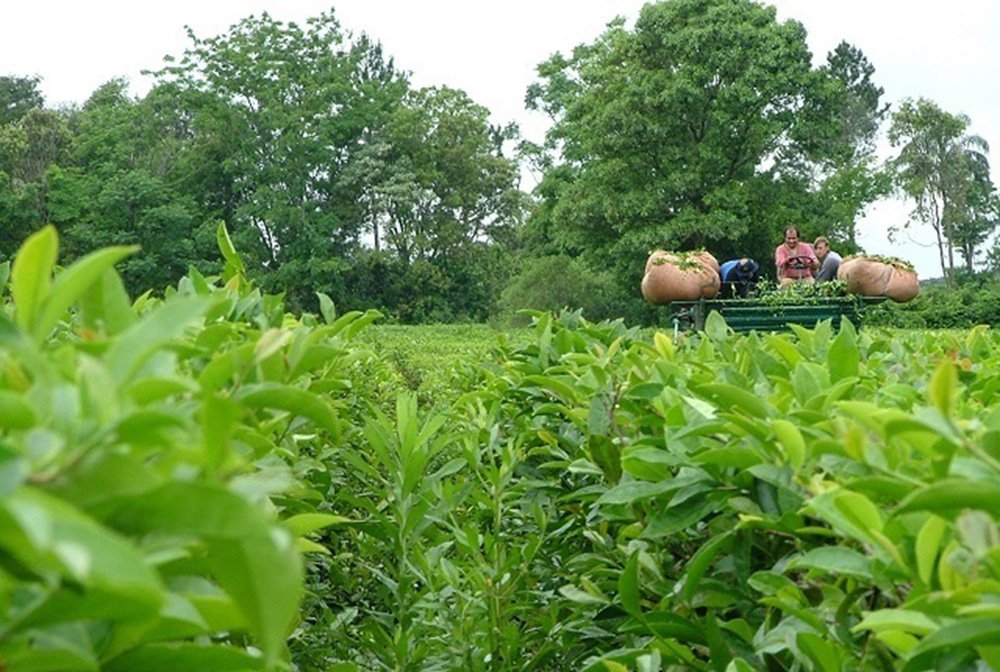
point(738, 276)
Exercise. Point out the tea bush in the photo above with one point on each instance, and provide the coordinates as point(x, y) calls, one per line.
point(586, 496)
point(147, 453)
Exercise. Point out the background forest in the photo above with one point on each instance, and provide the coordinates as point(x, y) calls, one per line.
point(704, 124)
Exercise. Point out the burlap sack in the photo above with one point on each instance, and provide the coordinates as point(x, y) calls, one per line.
point(670, 278)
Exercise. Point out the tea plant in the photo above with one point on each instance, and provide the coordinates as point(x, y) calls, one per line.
point(144, 451)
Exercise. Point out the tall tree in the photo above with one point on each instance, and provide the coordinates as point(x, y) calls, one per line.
point(849, 178)
point(29, 148)
point(940, 166)
point(289, 106)
point(18, 95)
point(697, 127)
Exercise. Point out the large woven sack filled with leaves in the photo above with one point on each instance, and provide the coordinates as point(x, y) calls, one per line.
point(679, 276)
point(879, 276)
point(903, 284)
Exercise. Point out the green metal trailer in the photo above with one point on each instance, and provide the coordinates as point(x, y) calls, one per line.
point(757, 314)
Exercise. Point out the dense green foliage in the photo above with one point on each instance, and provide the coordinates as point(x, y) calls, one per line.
point(331, 173)
point(703, 124)
point(146, 451)
point(598, 501)
point(947, 174)
point(581, 497)
point(974, 301)
point(555, 282)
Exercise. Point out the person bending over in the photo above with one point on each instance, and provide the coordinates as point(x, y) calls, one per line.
point(738, 276)
point(795, 260)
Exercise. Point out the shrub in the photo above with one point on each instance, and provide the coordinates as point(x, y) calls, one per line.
point(941, 307)
point(556, 282)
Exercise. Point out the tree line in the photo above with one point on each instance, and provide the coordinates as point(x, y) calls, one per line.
point(705, 124)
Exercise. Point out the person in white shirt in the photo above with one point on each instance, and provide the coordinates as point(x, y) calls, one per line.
point(829, 261)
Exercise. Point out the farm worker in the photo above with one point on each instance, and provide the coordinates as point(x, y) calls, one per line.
point(794, 259)
point(738, 275)
point(829, 261)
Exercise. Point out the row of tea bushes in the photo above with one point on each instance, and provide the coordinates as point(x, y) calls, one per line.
point(823, 501)
point(155, 461)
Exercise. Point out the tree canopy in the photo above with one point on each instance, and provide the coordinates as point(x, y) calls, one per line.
point(704, 125)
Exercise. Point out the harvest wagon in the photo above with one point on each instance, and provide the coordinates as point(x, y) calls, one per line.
point(759, 314)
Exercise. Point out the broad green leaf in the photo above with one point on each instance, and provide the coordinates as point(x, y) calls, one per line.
point(960, 635)
point(31, 275)
point(700, 562)
point(253, 559)
point(843, 357)
point(106, 304)
point(574, 594)
point(44, 531)
point(15, 412)
point(326, 308)
point(307, 523)
point(665, 624)
point(293, 400)
point(943, 388)
point(636, 491)
point(730, 398)
point(859, 510)
point(184, 656)
point(824, 654)
point(948, 497)
point(628, 586)
point(564, 391)
point(791, 440)
point(664, 345)
point(836, 560)
point(72, 283)
point(905, 620)
point(138, 343)
point(716, 327)
point(66, 646)
point(927, 546)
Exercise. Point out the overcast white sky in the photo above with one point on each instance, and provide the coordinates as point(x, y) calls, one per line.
point(948, 52)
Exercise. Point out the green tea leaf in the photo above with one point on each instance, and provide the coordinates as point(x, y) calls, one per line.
point(729, 398)
point(138, 343)
point(306, 523)
point(948, 497)
point(843, 357)
point(326, 308)
point(628, 586)
point(31, 275)
point(72, 283)
point(791, 440)
point(293, 400)
point(184, 656)
point(716, 327)
point(106, 304)
point(836, 560)
point(15, 412)
point(905, 620)
point(943, 387)
point(961, 635)
point(824, 655)
point(927, 546)
point(700, 562)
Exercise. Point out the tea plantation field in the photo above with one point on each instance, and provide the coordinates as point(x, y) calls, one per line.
point(203, 481)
